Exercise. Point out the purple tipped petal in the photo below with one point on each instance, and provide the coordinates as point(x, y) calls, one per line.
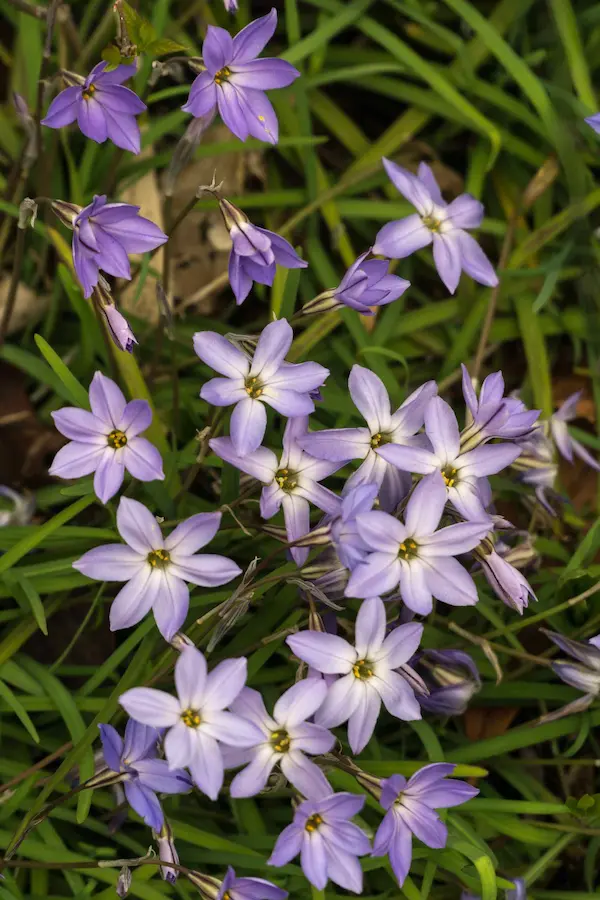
point(142, 460)
point(146, 804)
point(262, 464)
point(231, 110)
point(425, 174)
point(442, 429)
point(370, 397)
point(76, 460)
point(426, 505)
point(370, 628)
point(253, 778)
point(203, 96)
point(225, 683)
point(92, 120)
point(304, 774)
point(136, 418)
point(113, 562)
point(300, 702)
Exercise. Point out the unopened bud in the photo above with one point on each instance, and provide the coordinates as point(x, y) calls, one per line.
point(244, 342)
point(27, 214)
point(22, 110)
point(232, 216)
point(66, 212)
point(196, 64)
point(72, 79)
point(208, 886)
point(167, 853)
point(119, 329)
point(316, 537)
point(123, 882)
point(322, 303)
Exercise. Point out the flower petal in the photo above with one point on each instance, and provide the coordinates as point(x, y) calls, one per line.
point(135, 418)
point(327, 653)
point(143, 460)
point(107, 400)
point(110, 472)
point(252, 39)
point(474, 261)
point(410, 186)
point(425, 507)
point(448, 258)
point(217, 49)
point(63, 109)
point(370, 628)
point(380, 531)
point(341, 701)
point(75, 460)
point(151, 707)
point(112, 747)
point(304, 774)
point(224, 683)
point(252, 780)
point(273, 344)
point(403, 237)
point(379, 574)
point(248, 425)
point(401, 644)
point(441, 428)
point(192, 534)
point(449, 582)
point(299, 702)
point(466, 212)
point(207, 765)
point(414, 588)
point(361, 723)
point(218, 353)
point(370, 398)
point(171, 604)
point(135, 599)
point(113, 562)
point(191, 678)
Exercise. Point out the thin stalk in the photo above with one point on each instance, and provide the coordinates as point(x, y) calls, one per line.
point(14, 283)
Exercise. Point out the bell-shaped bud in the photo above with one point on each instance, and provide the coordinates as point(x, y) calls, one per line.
point(451, 677)
point(506, 581)
point(66, 212)
point(119, 329)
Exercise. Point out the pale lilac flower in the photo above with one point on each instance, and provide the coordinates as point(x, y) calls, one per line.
point(416, 555)
point(147, 775)
point(439, 223)
point(461, 472)
point(255, 252)
point(411, 809)
point(492, 414)
point(106, 440)
point(236, 81)
point(329, 844)
point(234, 888)
point(349, 546)
point(451, 677)
point(250, 383)
point(196, 720)
point(384, 429)
point(103, 234)
point(286, 737)
point(157, 570)
point(506, 581)
point(537, 466)
point(584, 673)
point(291, 483)
point(594, 122)
point(566, 444)
point(167, 853)
point(367, 672)
point(365, 284)
point(104, 109)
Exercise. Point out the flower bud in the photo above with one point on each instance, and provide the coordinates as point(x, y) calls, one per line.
point(123, 882)
point(119, 329)
point(321, 303)
point(72, 79)
point(507, 582)
point(451, 677)
point(167, 853)
point(208, 886)
point(232, 216)
point(66, 212)
point(196, 64)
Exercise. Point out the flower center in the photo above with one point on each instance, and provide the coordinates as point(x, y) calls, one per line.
point(379, 439)
point(158, 558)
point(253, 388)
point(222, 75)
point(449, 474)
point(286, 480)
point(116, 439)
point(431, 222)
point(362, 669)
point(191, 718)
point(89, 91)
point(280, 740)
point(408, 549)
point(313, 822)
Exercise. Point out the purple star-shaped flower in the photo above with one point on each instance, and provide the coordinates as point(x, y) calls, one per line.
point(103, 234)
point(291, 484)
point(329, 844)
point(439, 223)
point(255, 253)
point(566, 444)
point(103, 107)
point(411, 809)
point(147, 775)
point(236, 81)
point(157, 570)
point(384, 429)
point(415, 555)
point(286, 738)
point(106, 440)
point(196, 719)
point(492, 414)
point(367, 672)
point(250, 383)
point(234, 888)
point(365, 284)
point(461, 471)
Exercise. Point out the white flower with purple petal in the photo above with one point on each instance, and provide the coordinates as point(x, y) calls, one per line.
point(103, 107)
point(146, 775)
point(291, 484)
point(411, 809)
point(366, 669)
point(234, 888)
point(492, 414)
point(384, 429)
point(329, 844)
point(416, 556)
point(197, 720)
point(157, 569)
point(255, 252)
point(286, 739)
point(567, 445)
point(235, 81)
point(103, 234)
point(443, 224)
point(251, 383)
point(461, 471)
point(106, 440)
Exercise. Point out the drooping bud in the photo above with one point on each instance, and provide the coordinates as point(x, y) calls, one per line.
point(124, 882)
point(451, 677)
point(506, 581)
point(119, 329)
point(66, 212)
point(167, 853)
